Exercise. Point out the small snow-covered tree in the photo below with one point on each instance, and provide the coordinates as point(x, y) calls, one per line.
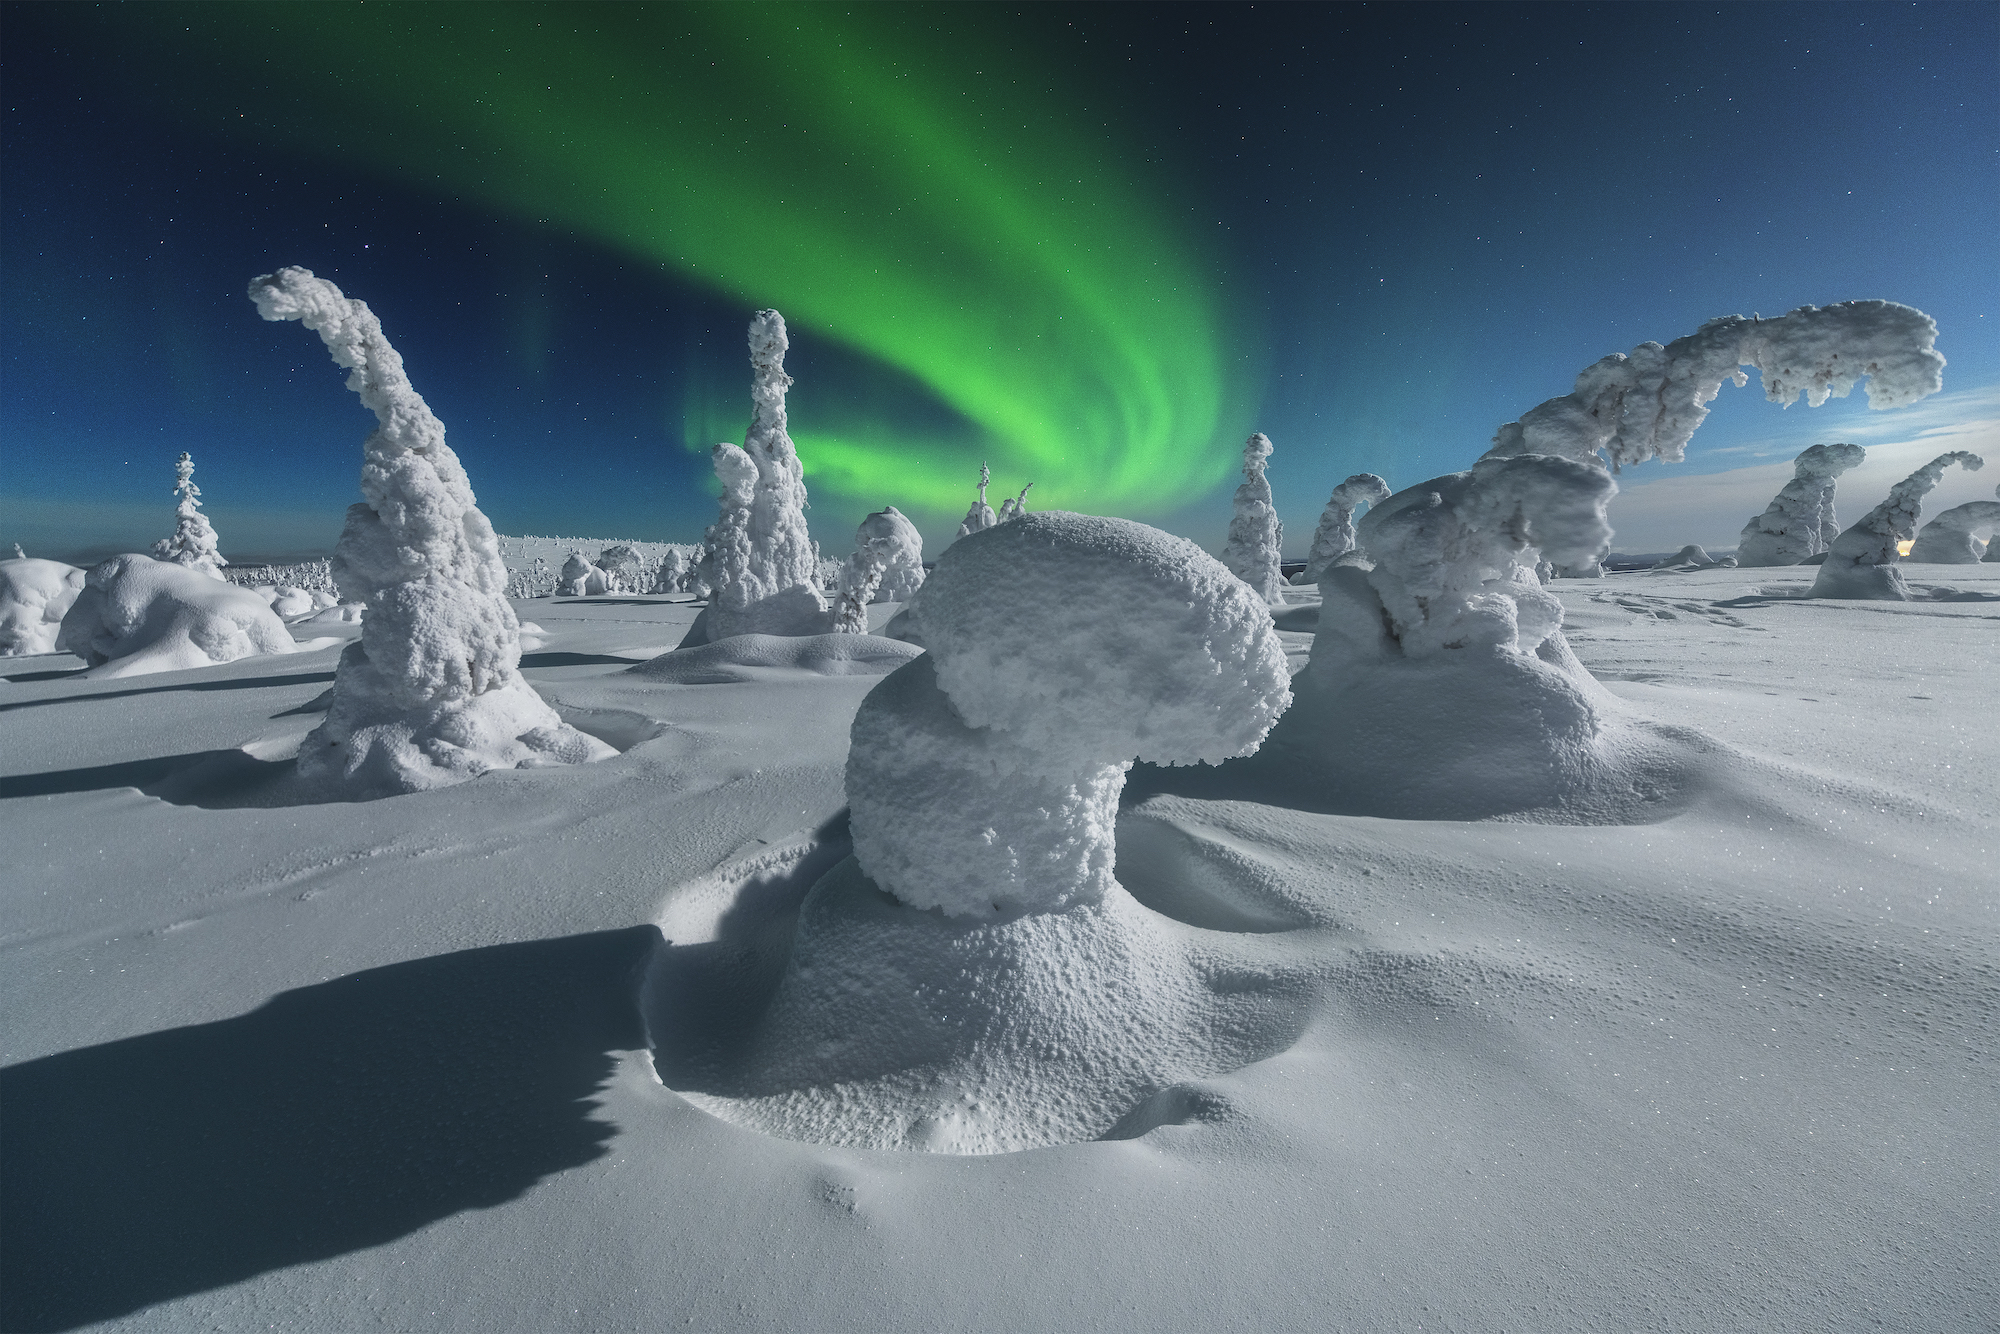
point(626, 567)
point(1256, 538)
point(1334, 537)
point(887, 566)
point(193, 543)
point(1861, 563)
point(672, 572)
point(1799, 522)
point(580, 578)
point(1013, 507)
point(980, 517)
point(431, 694)
point(1952, 538)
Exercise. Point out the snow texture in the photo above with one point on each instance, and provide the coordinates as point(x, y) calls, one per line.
point(984, 777)
point(193, 543)
point(34, 596)
point(1256, 538)
point(1334, 537)
point(136, 615)
point(1799, 522)
point(764, 572)
point(431, 693)
point(1861, 563)
point(580, 578)
point(980, 517)
point(1626, 409)
point(1952, 538)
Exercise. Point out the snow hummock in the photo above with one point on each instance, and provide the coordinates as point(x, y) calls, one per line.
point(1690, 557)
point(1628, 408)
point(1861, 563)
point(431, 694)
point(887, 565)
point(194, 542)
point(1334, 537)
point(1799, 522)
point(1952, 538)
point(980, 517)
point(1256, 538)
point(137, 615)
point(34, 595)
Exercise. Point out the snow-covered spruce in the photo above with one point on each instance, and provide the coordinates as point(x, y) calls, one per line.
point(1952, 538)
point(671, 576)
point(1334, 537)
point(887, 566)
point(431, 693)
point(1013, 507)
point(194, 542)
point(1628, 408)
point(1861, 563)
point(1799, 522)
point(581, 579)
point(136, 615)
point(34, 596)
point(980, 517)
point(762, 571)
point(1256, 538)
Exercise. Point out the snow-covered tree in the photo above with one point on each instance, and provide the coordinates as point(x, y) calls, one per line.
point(1334, 537)
point(1861, 563)
point(1799, 522)
point(136, 615)
point(980, 517)
point(1256, 538)
point(887, 566)
point(626, 568)
point(1952, 538)
point(35, 595)
point(580, 578)
point(431, 693)
point(193, 543)
point(671, 575)
point(1013, 507)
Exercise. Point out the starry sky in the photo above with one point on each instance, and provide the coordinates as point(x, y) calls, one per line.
point(1094, 246)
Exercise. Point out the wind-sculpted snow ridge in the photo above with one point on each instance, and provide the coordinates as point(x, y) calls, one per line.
point(1011, 993)
point(1334, 538)
point(1626, 409)
point(136, 615)
point(887, 566)
point(431, 694)
point(1799, 522)
point(762, 567)
point(1952, 538)
point(194, 542)
point(1861, 563)
point(34, 596)
point(980, 517)
point(1256, 538)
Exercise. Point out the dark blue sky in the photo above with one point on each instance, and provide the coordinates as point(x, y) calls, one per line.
point(1417, 221)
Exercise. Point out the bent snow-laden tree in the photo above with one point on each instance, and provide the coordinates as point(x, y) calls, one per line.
point(763, 572)
point(1256, 538)
point(1799, 522)
point(431, 693)
point(1861, 563)
point(1952, 538)
point(194, 542)
point(1013, 507)
point(1334, 537)
point(980, 517)
point(887, 566)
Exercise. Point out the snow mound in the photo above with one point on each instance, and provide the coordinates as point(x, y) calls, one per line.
point(1861, 563)
point(751, 657)
point(1952, 538)
point(136, 615)
point(1799, 522)
point(1690, 557)
point(34, 596)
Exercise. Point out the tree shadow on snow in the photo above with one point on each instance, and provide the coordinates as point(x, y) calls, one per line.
point(333, 1118)
point(241, 683)
point(211, 779)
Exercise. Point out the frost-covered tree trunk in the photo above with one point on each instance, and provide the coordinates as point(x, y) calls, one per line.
point(1334, 537)
point(980, 517)
point(1799, 522)
point(431, 693)
point(1952, 538)
point(1256, 538)
point(194, 542)
point(1861, 563)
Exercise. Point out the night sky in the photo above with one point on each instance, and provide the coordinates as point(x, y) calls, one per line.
point(1095, 246)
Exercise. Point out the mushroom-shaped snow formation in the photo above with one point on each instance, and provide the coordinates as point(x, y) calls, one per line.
point(1630, 408)
point(194, 542)
point(581, 579)
point(1256, 538)
point(980, 517)
point(1861, 563)
point(431, 693)
point(1952, 538)
point(34, 596)
point(1334, 537)
point(887, 566)
point(984, 777)
point(1799, 521)
point(137, 615)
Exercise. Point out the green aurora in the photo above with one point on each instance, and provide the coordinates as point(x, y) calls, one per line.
point(923, 198)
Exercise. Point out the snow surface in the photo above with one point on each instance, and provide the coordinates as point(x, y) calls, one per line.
point(136, 615)
point(1720, 1063)
point(34, 595)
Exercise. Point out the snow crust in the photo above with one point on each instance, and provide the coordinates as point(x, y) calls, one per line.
point(1334, 537)
point(34, 596)
point(431, 693)
point(1861, 563)
point(193, 543)
point(136, 615)
point(1256, 538)
point(1952, 538)
point(1628, 408)
point(1799, 522)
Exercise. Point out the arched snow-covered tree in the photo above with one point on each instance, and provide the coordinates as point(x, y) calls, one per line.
point(1334, 537)
point(193, 543)
point(1256, 538)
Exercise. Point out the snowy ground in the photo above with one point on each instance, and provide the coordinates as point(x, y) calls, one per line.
point(382, 1065)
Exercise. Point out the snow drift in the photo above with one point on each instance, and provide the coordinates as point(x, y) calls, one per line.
point(34, 596)
point(136, 615)
point(1861, 563)
point(1799, 522)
